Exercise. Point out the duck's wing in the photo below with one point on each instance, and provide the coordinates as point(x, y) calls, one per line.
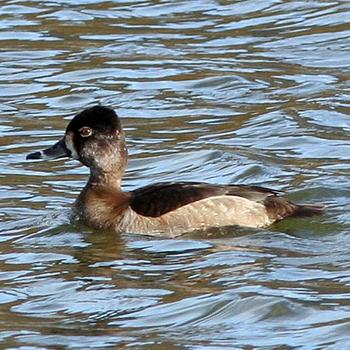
point(159, 199)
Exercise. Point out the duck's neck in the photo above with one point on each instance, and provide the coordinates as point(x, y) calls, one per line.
point(103, 179)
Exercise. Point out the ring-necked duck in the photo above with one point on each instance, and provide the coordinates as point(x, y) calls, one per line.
point(95, 137)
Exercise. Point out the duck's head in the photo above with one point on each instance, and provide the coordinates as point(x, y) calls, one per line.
point(94, 137)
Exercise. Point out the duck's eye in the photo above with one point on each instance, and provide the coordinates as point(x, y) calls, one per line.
point(85, 131)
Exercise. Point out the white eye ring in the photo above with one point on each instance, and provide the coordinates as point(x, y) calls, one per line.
point(85, 131)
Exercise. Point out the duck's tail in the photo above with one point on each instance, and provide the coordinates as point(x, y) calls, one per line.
point(309, 209)
point(279, 208)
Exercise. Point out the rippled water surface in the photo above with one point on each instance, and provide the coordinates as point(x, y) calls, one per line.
point(219, 91)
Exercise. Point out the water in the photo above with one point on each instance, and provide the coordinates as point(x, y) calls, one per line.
point(218, 91)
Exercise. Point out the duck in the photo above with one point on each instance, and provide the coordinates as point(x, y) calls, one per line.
point(96, 139)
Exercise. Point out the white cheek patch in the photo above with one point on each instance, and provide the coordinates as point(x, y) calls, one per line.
point(70, 146)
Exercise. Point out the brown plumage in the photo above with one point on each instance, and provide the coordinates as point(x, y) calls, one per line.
point(95, 138)
point(149, 200)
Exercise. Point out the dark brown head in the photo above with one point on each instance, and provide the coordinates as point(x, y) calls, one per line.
point(94, 137)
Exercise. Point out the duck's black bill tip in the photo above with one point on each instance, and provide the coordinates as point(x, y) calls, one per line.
point(34, 155)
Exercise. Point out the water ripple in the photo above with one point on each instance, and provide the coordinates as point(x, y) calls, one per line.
point(245, 92)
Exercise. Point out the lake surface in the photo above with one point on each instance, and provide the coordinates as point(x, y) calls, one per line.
point(249, 92)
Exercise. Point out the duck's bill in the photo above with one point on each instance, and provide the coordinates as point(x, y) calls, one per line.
point(58, 150)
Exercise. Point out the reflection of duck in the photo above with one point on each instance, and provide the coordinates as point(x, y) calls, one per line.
point(95, 138)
